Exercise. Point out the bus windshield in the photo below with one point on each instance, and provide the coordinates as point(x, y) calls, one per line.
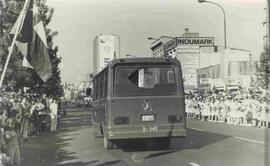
point(144, 81)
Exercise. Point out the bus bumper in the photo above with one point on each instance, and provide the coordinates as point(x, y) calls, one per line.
point(140, 132)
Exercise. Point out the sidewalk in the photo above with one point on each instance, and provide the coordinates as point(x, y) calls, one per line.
point(39, 150)
point(46, 149)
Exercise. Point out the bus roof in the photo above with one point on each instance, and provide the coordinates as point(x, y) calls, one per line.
point(141, 60)
point(144, 60)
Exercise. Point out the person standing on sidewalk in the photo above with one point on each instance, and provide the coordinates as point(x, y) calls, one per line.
point(3, 113)
point(34, 113)
point(2, 139)
point(12, 141)
point(267, 113)
point(43, 113)
point(16, 113)
point(54, 110)
point(25, 119)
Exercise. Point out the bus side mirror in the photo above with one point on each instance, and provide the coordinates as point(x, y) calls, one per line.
point(88, 91)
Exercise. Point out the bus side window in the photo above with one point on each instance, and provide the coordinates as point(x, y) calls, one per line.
point(170, 77)
point(105, 82)
point(94, 89)
point(101, 83)
point(98, 87)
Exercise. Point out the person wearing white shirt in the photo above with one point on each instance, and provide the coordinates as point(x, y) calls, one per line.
point(53, 109)
point(266, 110)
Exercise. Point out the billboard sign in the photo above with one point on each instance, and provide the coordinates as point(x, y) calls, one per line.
point(188, 49)
point(193, 42)
point(196, 41)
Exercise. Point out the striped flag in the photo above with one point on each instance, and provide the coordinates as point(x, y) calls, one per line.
point(31, 41)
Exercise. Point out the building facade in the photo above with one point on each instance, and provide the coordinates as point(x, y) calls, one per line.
point(206, 66)
point(225, 70)
point(187, 49)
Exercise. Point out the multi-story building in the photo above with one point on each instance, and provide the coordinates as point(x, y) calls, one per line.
point(226, 70)
point(204, 65)
point(187, 49)
point(105, 49)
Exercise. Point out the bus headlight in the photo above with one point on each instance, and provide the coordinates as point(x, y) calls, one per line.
point(175, 118)
point(121, 120)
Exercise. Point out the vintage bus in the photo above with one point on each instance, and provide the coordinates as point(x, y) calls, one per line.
point(139, 98)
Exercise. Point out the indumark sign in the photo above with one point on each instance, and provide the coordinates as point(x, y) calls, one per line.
point(191, 41)
point(209, 41)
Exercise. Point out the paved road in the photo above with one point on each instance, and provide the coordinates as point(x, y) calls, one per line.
point(207, 144)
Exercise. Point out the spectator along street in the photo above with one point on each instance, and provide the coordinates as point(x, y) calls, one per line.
point(207, 143)
point(134, 83)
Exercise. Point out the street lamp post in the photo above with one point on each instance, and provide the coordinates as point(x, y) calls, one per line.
point(225, 38)
point(129, 55)
point(151, 38)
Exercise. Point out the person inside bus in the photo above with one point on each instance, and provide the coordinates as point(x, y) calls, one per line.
point(149, 79)
point(143, 78)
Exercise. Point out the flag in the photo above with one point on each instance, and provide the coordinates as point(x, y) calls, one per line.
point(24, 38)
point(31, 41)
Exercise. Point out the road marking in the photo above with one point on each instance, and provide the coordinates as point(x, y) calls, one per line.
point(241, 138)
point(194, 164)
point(250, 140)
point(79, 109)
point(197, 129)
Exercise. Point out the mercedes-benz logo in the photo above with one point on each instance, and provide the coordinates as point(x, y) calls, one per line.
point(147, 106)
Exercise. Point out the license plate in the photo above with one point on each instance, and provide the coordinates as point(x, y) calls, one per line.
point(149, 128)
point(148, 118)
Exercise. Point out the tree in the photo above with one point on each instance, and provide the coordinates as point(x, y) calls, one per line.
point(263, 71)
point(18, 76)
point(53, 86)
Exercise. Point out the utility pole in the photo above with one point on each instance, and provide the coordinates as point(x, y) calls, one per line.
point(267, 59)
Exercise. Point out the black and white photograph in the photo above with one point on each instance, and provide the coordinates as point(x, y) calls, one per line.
point(134, 82)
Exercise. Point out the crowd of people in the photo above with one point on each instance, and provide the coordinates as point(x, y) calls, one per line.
point(241, 107)
point(21, 116)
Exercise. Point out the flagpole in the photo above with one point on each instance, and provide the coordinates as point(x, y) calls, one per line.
point(13, 42)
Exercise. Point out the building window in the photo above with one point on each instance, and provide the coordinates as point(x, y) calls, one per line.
point(238, 68)
point(215, 71)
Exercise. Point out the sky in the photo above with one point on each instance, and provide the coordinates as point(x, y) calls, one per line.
point(78, 22)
